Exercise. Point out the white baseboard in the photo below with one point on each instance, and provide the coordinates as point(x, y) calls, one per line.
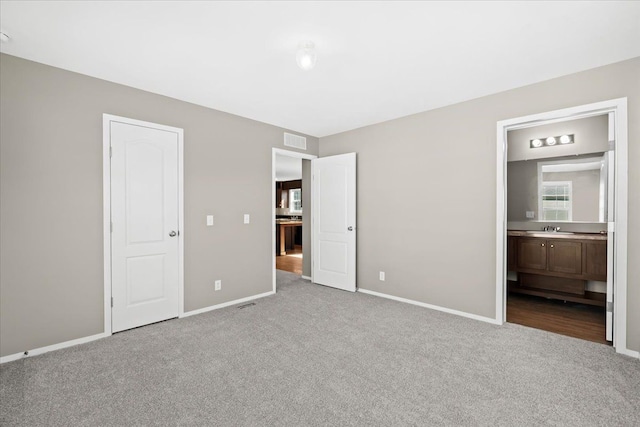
point(431, 306)
point(42, 350)
point(226, 304)
point(306, 278)
point(630, 353)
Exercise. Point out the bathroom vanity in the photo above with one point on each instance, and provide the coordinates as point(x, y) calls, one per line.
point(557, 265)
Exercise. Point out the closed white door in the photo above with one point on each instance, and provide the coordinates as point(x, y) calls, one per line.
point(144, 215)
point(334, 221)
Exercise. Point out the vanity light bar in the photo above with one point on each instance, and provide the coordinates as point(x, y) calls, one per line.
point(551, 141)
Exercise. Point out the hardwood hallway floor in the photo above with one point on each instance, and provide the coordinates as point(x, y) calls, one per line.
point(291, 262)
point(566, 318)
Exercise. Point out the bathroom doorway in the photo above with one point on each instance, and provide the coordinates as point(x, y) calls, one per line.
point(557, 211)
point(556, 262)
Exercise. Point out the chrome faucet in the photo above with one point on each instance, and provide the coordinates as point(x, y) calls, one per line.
point(550, 228)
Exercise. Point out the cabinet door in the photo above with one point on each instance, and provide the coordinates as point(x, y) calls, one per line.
point(532, 253)
point(512, 260)
point(565, 256)
point(596, 260)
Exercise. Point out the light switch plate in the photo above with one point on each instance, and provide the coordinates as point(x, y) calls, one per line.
point(531, 214)
point(209, 220)
point(247, 218)
point(218, 285)
point(382, 276)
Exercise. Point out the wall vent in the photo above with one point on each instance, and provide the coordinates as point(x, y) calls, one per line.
point(296, 141)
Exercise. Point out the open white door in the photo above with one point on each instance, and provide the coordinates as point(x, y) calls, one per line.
point(145, 278)
point(334, 221)
point(611, 235)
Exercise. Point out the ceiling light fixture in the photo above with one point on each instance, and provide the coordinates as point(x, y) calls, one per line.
point(566, 139)
point(306, 56)
point(4, 37)
point(551, 141)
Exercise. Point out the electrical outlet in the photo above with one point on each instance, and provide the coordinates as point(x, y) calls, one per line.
point(218, 285)
point(530, 214)
point(247, 219)
point(382, 276)
point(209, 220)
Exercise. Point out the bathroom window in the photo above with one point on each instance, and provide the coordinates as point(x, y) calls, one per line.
point(295, 200)
point(556, 201)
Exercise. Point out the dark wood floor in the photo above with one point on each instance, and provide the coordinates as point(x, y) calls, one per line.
point(571, 319)
point(292, 261)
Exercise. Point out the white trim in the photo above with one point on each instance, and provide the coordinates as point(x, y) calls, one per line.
point(274, 152)
point(431, 306)
point(225, 304)
point(619, 108)
point(106, 211)
point(106, 219)
point(306, 277)
point(59, 346)
point(630, 353)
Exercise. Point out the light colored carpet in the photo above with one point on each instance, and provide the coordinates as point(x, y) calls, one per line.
point(312, 355)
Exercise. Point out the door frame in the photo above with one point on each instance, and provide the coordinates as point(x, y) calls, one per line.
point(619, 109)
point(298, 155)
point(106, 203)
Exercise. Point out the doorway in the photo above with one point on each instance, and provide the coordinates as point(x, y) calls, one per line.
point(291, 213)
point(555, 265)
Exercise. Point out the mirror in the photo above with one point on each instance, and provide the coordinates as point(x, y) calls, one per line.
point(565, 189)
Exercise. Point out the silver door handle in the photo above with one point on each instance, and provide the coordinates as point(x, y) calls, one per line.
point(173, 234)
point(350, 228)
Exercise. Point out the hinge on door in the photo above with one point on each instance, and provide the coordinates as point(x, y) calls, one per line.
point(111, 302)
point(609, 306)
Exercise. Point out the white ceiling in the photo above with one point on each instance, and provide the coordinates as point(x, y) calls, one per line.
point(376, 60)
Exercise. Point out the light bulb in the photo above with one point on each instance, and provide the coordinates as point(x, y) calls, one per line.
point(306, 56)
point(551, 140)
point(536, 143)
point(565, 139)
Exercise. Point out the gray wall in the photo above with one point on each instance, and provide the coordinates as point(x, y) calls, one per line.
point(427, 191)
point(522, 190)
point(590, 135)
point(51, 273)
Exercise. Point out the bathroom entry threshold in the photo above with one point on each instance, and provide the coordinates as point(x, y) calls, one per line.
point(572, 319)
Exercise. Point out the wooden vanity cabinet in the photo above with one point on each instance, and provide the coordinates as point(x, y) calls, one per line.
point(557, 268)
point(532, 253)
point(595, 262)
point(565, 256)
point(512, 251)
